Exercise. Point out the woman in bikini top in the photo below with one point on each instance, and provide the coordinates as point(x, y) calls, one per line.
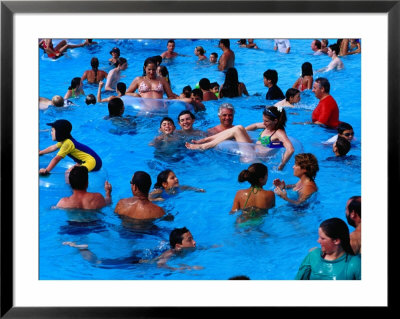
point(151, 86)
point(255, 198)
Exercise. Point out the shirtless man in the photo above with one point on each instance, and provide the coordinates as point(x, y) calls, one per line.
point(139, 206)
point(114, 75)
point(169, 54)
point(225, 114)
point(80, 198)
point(353, 216)
point(227, 59)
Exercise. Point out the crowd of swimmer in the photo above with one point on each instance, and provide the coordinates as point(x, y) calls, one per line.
point(339, 256)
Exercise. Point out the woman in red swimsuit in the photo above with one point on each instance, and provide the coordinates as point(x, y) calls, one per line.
point(56, 52)
point(305, 81)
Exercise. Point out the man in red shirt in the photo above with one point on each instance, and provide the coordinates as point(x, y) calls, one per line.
point(327, 111)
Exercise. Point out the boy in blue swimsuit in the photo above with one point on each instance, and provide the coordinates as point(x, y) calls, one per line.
point(81, 154)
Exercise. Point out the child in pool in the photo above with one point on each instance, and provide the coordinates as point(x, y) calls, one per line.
point(167, 128)
point(168, 182)
point(81, 154)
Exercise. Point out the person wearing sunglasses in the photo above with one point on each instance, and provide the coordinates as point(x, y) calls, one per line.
point(344, 130)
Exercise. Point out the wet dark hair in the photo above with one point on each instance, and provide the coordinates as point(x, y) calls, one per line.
point(324, 83)
point(343, 126)
point(242, 41)
point(90, 99)
point(355, 205)
point(94, 62)
point(204, 84)
point(240, 277)
point(121, 87)
point(162, 178)
point(214, 54)
point(308, 162)
point(75, 82)
point(176, 236)
point(271, 75)
point(166, 118)
point(225, 42)
point(115, 107)
point(273, 113)
point(253, 174)
point(291, 93)
point(79, 177)
point(186, 112)
point(334, 47)
point(343, 146)
point(306, 69)
point(214, 84)
point(335, 228)
point(148, 61)
point(142, 180)
point(317, 43)
point(230, 86)
point(198, 92)
point(120, 61)
point(164, 72)
point(171, 41)
point(157, 58)
point(187, 90)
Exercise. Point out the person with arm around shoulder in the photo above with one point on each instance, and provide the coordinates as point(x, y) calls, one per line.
point(81, 198)
point(335, 260)
point(305, 168)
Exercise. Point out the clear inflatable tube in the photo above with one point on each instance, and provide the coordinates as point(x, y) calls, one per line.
point(249, 152)
point(162, 107)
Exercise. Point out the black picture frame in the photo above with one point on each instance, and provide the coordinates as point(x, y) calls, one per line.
point(9, 8)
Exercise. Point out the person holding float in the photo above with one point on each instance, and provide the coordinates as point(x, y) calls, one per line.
point(272, 137)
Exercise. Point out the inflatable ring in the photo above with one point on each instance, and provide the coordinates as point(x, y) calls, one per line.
point(161, 107)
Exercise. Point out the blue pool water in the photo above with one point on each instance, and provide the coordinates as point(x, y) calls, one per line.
point(270, 248)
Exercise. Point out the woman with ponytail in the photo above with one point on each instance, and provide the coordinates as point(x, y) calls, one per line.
point(94, 75)
point(335, 260)
point(254, 199)
point(272, 136)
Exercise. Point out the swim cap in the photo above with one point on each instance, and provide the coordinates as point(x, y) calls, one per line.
point(63, 129)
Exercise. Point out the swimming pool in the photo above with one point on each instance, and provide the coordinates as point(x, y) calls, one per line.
point(270, 248)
